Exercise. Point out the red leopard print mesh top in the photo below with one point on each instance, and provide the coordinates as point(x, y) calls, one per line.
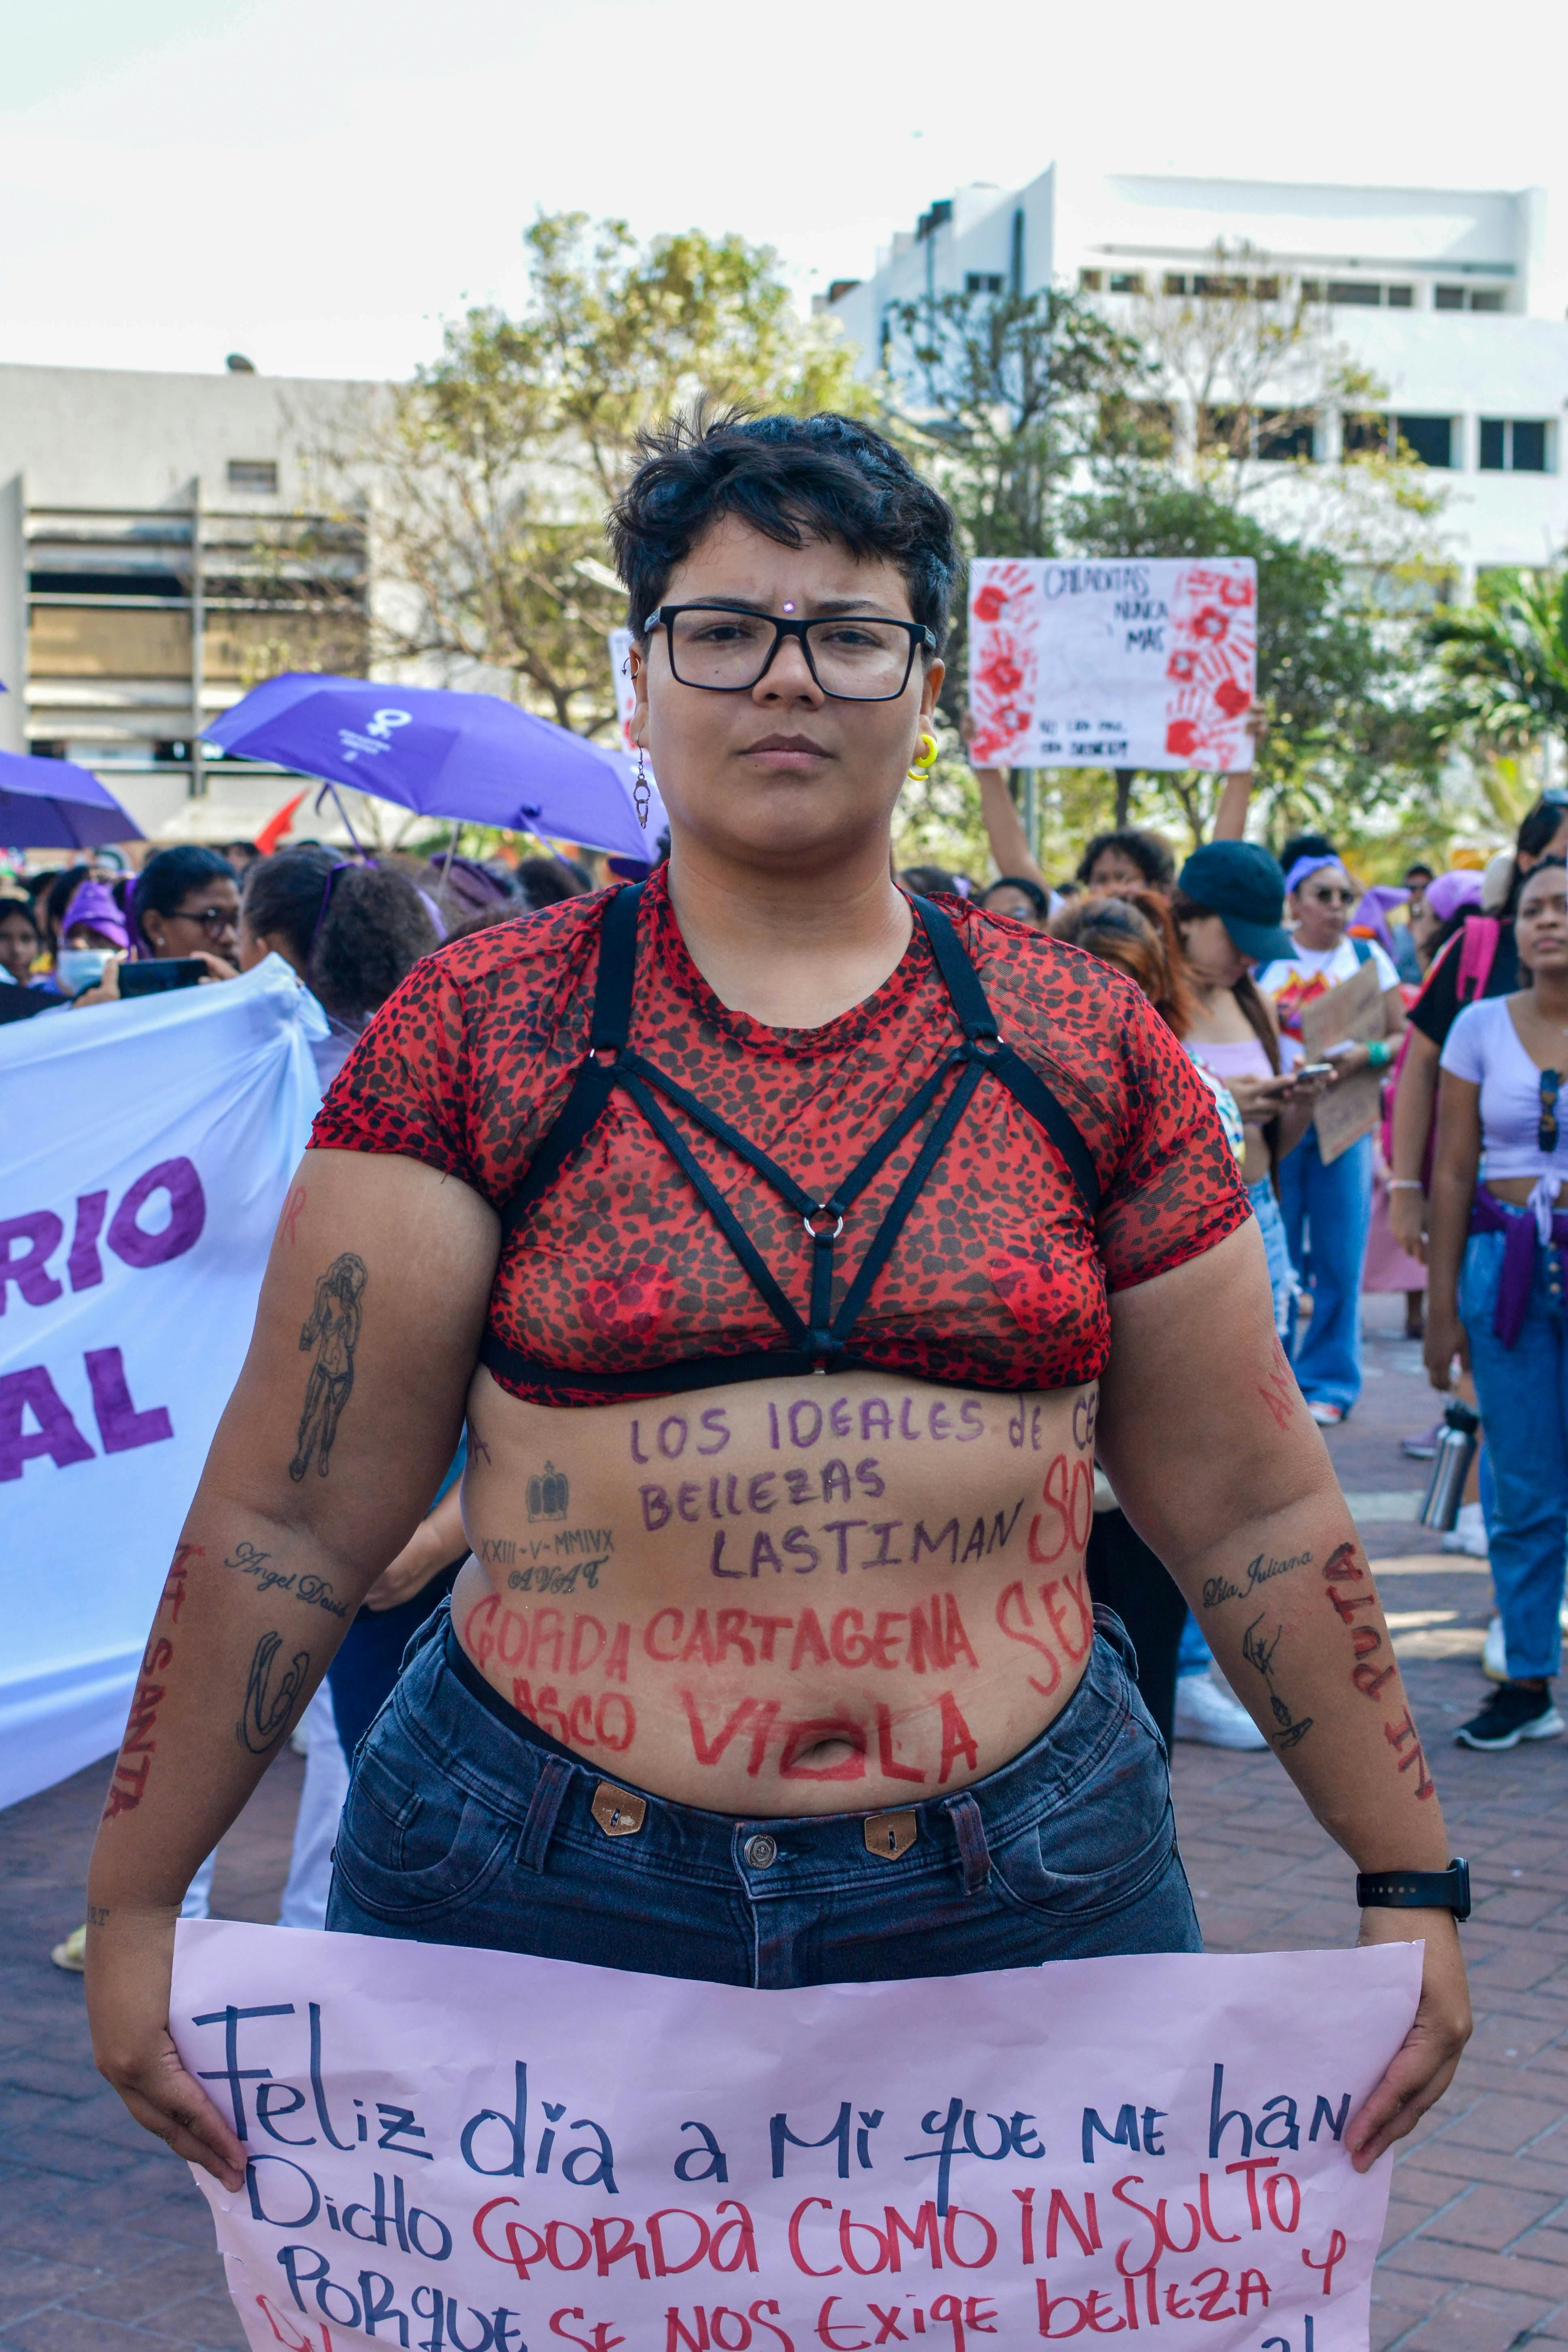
point(997, 1281)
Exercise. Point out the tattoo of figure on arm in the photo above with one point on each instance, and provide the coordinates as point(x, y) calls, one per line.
point(269, 1704)
point(1259, 1652)
point(333, 1332)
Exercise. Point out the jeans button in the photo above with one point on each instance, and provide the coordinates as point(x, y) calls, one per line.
point(761, 1852)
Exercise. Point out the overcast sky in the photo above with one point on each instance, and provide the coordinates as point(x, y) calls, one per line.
point(318, 183)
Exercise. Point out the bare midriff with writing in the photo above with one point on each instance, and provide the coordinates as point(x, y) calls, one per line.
point(793, 1596)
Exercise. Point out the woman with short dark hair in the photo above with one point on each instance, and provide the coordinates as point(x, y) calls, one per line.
point(186, 902)
point(792, 1247)
point(1127, 859)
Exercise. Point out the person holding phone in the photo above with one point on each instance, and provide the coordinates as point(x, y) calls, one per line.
point(1326, 1204)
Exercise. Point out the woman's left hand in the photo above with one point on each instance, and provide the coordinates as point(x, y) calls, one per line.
point(1349, 1060)
point(1422, 2068)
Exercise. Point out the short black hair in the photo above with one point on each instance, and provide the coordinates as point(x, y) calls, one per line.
point(1305, 844)
point(1150, 856)
point(793, 479)
point(168, 876)
point(1419, 866)
point(12, 905)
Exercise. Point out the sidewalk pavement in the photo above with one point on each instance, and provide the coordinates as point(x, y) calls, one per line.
point(105, 2245)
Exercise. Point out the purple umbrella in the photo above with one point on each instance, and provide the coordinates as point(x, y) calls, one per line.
point(469, 757)
point(54, 805)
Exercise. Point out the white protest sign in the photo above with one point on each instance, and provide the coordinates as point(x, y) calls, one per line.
point(148, 1146)
point(472, 2149)
point(1131, 662)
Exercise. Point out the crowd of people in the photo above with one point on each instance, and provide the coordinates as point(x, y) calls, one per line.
point(1234, 951)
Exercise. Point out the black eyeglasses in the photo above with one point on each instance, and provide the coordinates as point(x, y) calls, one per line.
point(211, 918)
point(727, 648)
point(1546, 1127)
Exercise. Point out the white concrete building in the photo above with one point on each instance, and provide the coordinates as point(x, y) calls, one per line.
point(1453, 298)
point(151, 565)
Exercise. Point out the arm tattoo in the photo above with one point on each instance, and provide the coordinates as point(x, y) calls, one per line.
point(333, 1332)
point(268, 1706)
point(1259, 1652)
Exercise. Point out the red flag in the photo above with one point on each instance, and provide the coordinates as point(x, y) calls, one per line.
point(273, 831)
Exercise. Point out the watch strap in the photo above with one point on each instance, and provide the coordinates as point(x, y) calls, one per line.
point(1416, 1890)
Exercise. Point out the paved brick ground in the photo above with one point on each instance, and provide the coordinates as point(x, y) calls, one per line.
point(104, 2242)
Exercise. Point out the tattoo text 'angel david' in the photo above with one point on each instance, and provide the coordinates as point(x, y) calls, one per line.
point(332, 1331)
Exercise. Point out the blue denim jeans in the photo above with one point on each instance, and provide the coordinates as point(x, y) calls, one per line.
point(464, 1825)
point(1523, 1391)
point(1328, 1214)
point(1282, 1280)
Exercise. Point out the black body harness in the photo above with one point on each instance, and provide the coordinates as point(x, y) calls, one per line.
point(822, 1342)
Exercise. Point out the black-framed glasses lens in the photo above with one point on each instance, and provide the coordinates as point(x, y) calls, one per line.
point(855, 660)
point(1546, 1129)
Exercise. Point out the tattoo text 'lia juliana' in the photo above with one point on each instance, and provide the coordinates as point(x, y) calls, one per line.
point(332, 1332)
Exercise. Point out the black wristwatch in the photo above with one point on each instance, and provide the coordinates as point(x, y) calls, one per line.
point(1416, 1890)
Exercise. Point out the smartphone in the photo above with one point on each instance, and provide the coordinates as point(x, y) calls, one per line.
point(160, 973)
point(1306, 1070)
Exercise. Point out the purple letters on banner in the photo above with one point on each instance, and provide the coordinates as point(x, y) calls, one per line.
point(119, 1424)
point(44, 1231)
point(188, 1211)
point(57, 1433)
point(84, 1264)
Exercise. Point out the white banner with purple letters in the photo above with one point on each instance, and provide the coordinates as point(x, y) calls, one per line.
point(469, 2151)
point(145, 1152)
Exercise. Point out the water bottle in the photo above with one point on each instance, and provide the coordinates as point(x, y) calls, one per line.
point(1450, 1468)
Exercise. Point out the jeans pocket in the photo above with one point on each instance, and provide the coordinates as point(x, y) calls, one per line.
point(1100, 1846)
point(408, 1851)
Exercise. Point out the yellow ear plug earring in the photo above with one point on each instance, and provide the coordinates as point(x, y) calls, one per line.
point(921, 768)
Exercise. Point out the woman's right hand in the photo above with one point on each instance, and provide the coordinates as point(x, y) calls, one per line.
point(1444, 1341)
point(1408, 1219)
point(130, 1962)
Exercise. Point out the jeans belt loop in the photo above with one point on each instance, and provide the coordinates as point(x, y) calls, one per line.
point(548, 1794)
point(973, 1850)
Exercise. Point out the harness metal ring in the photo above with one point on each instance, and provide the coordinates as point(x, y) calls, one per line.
point(821, 1210)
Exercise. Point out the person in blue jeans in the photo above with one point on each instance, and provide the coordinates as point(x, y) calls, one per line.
point(1495, 1254)
point(1327, 1205)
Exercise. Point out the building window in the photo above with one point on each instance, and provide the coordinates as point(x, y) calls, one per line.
point(1283, 436)
point(1355, 290)
point(1467, 298)
point(1175, 283)
point(1401, 298)
point(1127, 281)
point(1311, 289)
point(982, 281)
point(253, 476)
point(1514, 446)
point(1430, 439)
point(1092, 281)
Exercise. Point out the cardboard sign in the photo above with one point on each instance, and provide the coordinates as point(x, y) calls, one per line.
point(1350, 1013)
point(1131, 662)
point(467, 2150)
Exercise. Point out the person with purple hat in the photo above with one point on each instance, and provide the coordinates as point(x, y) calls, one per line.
point(93, 934)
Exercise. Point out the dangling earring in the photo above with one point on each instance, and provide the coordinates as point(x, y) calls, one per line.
point(921, 768)
point(641, 791)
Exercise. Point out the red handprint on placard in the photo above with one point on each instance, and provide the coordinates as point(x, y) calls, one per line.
point(1003, 619)
point(1212, 665)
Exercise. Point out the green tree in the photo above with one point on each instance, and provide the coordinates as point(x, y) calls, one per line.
point(1350, 733)
point(490, 472)
point(1505, 663)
